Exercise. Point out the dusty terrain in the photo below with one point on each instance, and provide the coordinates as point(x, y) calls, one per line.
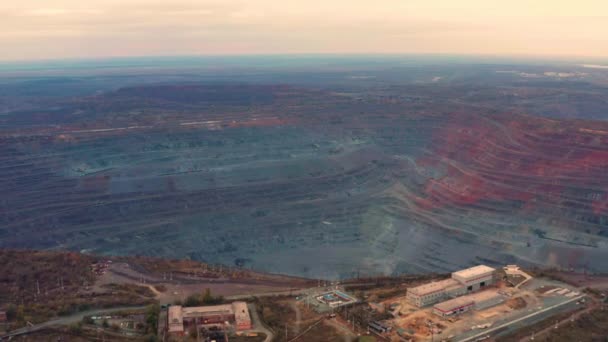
point(177, 286)
point(37, 286)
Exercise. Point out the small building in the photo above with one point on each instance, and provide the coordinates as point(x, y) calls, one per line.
point(175, 320)
point(335, 299)
point(379, 327)
point(453, 306)
point(236, 313)
point(241, 316)
point(477, 301)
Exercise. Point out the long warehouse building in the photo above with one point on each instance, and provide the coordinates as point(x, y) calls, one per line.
point(461, 283)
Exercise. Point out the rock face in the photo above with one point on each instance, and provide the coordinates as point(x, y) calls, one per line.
point(305, 182)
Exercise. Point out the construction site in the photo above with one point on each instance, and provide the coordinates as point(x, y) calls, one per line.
point(475, 303)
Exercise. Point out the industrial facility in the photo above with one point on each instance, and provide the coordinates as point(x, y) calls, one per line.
point(477, 301)
point(236, 314)
point(335, 299)
point(462, 282)
point(470, 305)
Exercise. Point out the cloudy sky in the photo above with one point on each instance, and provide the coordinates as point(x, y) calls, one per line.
point(35, 29)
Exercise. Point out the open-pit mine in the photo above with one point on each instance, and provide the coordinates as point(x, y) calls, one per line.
point(358, 176)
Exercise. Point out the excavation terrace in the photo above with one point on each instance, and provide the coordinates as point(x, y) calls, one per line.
point(308, 182)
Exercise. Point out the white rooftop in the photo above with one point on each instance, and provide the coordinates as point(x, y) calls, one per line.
point(199, 311)
point(241, 312)
point(472, 272)
point(435, 286)
point(175, 319)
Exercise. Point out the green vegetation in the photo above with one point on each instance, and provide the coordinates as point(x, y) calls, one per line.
point(260, 338)
point(152, 313)
point(367, 339)
point(592, 326)
point(203, 299)
point(274, 313)
point(76, 328)
point(38, 285)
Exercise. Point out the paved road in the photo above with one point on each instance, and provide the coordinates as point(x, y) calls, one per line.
point(79, 316)
point(69, 320)
point(521, 319)
point(258, 325)
point(592, 306)
point(292, 292)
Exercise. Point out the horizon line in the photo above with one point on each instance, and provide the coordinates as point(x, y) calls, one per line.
point(561, 58)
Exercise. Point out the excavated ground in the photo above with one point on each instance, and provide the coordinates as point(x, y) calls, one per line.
point(305, 182)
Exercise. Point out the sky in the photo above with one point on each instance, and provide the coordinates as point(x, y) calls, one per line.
point(52, 29)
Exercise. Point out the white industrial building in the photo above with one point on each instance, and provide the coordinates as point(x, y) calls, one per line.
point(461, 282)
point(434, 292)
point(180, 317)
point(475, 278)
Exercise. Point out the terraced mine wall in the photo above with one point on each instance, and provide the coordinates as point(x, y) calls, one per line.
point(305, 182)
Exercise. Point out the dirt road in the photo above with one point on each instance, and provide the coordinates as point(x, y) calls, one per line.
point(69, 320)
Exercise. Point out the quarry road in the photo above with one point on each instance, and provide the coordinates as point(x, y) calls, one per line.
point(68, 320)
